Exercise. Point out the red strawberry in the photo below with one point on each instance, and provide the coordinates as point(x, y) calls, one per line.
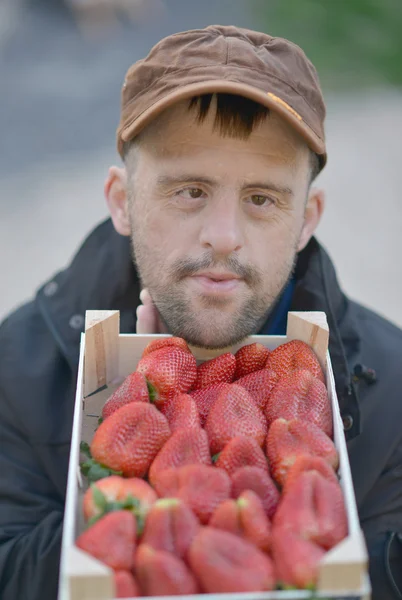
point(181, 412)
point(241, 452)
point(286, 440)
point(294, 356)
point(168, 371)
point(170, 342)
point(225, 563)
point(116, 493)
point(111, 540)
point(217, 370)
point(296, 559)
point(133, 389)
point(160, 573)
point(250, 358)
point(313, 508)
point(244, 517)
point(234, 413)
point(184, 447)
point(125, 585)
point(171, 526)
point(130, 438)
point(259, 385)
point(205, 398)
point(259, 482)
point(300, 395)
point(309, 463)
point(202, 488)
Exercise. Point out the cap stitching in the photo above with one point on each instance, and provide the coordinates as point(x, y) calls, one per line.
point(228, 48)
point(233, 65)
point(207, 66)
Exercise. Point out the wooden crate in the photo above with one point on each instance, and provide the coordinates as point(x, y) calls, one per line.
point(106, 358)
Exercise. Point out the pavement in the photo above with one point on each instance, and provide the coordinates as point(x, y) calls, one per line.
point(58, 113)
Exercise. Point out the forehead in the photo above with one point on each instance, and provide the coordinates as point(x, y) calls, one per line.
point(177, 133)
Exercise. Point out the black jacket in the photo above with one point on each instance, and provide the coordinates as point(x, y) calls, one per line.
point(39, 348)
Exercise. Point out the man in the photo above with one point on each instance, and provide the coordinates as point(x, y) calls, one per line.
point(212, 217)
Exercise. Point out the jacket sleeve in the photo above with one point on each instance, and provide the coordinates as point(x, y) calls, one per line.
point(31, 514)
point(385, 554)
point(382, 525)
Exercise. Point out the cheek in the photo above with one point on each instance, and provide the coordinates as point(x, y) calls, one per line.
point(163, 239)
point(275, 242)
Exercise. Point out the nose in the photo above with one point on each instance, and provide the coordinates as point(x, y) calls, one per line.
point(222, 228)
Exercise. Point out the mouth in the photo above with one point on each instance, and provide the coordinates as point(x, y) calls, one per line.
point(211, 283)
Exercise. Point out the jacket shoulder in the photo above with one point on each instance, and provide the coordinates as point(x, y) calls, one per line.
point(35, 379)
point(380, 338)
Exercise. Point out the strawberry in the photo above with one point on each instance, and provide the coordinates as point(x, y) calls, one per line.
point(294, 356)
point(111, 540)
point(217, 370)
point(306, 462)
point(300, 395)
point(161, 573)
point(241, 452)
point(201, 487)
point(184, 447)
point(234, 413)
point(244, 517)
point(181, 412)
point(170, 526)
point(118, 493)
point(296, 559)
point(130, 438)
point(225, 563)
point(313, 508)
point(259, 385)
point(205, 398)
point(133, 389)
point(170, 342)
point(125, 585)
point(250, 358)
point(168, 371)
point(259, 482)
point(286, 440)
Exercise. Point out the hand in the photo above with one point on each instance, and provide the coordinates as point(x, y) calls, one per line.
point(148, 319)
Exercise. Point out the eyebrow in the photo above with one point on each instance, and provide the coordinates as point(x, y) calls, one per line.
point(167, 180)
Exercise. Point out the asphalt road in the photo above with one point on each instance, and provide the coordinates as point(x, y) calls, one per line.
point(58, 112)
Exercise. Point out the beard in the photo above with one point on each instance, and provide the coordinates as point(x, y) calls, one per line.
point(212, 322)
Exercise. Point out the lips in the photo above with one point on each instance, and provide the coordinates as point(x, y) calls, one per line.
point(217, 276)
point(216, 284)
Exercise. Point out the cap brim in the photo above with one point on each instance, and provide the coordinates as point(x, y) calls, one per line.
point(268, 99)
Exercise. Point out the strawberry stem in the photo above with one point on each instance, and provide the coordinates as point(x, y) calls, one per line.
point(85, 449)
point(153, 393)
point(94, 471)
point(215, 457)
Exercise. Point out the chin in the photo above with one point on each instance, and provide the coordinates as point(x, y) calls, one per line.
point(210, 335)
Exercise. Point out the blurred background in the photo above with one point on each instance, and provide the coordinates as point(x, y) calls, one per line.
point(62, 63)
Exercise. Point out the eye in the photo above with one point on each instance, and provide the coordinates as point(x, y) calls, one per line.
point(191, 193)
point(260, 200)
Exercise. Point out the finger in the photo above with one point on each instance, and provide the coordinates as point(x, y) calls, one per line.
point(145, 297)
point(146, 320)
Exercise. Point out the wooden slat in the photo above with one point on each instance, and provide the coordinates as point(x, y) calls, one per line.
point(88, 579)
point(101, 349)
point(311, 328)
point(345, 566)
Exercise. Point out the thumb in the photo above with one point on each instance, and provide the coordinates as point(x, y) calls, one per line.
point(148, 320)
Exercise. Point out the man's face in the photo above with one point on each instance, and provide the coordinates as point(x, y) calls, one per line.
point(216, 222)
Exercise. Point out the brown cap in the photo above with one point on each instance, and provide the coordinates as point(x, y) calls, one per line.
point(269, 70)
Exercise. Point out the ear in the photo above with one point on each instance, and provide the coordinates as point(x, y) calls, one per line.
point(116, 197)
point(312, 216)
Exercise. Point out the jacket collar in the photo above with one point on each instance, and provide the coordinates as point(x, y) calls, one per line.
point(102, 277)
